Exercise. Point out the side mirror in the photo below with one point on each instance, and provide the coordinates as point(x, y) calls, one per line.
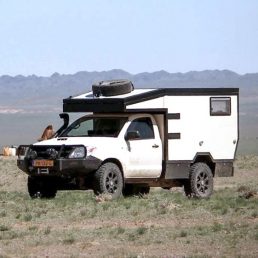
point(132, 135)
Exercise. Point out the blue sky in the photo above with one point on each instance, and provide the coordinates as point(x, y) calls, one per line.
point(46, 36)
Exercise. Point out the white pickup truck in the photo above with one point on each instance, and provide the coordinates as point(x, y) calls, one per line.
point(134, 139)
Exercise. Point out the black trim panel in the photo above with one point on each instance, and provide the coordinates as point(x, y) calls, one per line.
point(93, 105)
point(177, 170)
point(175, 116)
point(224, 169)
point(174, 136)
point(161, 111)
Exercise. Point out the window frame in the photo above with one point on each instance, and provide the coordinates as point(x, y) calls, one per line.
point(83, 119)
point(227, 99)
point(145, 117)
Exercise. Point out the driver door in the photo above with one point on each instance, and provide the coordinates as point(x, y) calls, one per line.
point(145, 151)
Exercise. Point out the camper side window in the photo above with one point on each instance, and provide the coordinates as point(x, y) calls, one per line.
point(220, 106)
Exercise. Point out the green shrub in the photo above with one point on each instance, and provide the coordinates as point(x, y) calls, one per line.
point(141, 230)
point(254, 214)
point(120, 230)
point(2, 213)
point(183, 233)
point(4, 228)
point(27, 217)
point(47, 230)
point(217, 227)
point(33, 228)
point(69, 240)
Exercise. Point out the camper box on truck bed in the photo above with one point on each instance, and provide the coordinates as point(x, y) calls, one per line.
point(167, 137)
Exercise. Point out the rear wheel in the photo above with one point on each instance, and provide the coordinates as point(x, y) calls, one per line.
point(41, 187)
point(108, 179)
point(200, 183)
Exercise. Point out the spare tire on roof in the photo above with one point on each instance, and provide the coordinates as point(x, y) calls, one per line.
point(112, 87)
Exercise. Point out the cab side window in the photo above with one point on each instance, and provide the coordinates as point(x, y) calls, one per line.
point(143, 126)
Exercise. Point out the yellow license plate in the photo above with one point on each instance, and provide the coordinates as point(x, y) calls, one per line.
point(43, 163)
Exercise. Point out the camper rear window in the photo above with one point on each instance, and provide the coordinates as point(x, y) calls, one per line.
point(220, 106)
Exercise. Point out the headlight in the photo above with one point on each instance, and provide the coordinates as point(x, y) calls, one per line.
point(77, 152)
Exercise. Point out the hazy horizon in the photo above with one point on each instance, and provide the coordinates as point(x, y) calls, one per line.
point(114, 69)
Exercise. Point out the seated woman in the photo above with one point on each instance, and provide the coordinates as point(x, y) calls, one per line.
point(47, 134)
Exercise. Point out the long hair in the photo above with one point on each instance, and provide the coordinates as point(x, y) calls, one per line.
point(47, 133)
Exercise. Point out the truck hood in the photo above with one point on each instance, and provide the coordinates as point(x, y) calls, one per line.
point(86, 141)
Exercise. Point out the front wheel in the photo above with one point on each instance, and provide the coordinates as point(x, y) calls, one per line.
point(200, 183)
point(108, 179)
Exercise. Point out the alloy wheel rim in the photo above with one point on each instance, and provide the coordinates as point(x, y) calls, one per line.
point(202, 183)
point(112, 182)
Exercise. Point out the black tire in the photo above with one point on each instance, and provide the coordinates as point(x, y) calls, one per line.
point(200, 183)
point(108, 179)
point(131, 189)
point(41, 187)
point(112, 88)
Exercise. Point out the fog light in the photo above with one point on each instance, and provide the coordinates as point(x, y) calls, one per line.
point(52, 153)
point(32, 154)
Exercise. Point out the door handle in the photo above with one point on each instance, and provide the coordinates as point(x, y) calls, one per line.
point(155, 146)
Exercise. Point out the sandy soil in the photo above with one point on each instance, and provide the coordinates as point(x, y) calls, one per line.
point(165, 224)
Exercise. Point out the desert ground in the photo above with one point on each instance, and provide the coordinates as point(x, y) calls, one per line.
point(164, 223)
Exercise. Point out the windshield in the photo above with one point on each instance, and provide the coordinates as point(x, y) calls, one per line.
point(95, 127)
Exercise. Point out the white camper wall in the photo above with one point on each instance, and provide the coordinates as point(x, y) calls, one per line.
point(199, 131)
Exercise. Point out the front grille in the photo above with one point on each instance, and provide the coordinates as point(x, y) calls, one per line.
point(41, 151)
point(45, 152)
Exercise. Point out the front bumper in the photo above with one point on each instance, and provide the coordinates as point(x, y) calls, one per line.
point(60, 166)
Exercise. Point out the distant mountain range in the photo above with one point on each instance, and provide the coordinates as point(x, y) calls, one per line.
point(27, 93)
point(37, 94)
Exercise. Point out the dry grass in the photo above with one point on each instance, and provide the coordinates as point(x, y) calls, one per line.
point(163, 224)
